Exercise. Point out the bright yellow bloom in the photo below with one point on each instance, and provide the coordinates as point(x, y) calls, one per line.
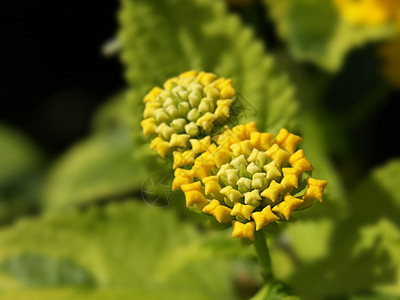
point(264, 217)
point(367, 12)
point(278, 154)
point(221, 213)
point(160, 146)
point(287, 140)
point(244, 231)
point(287, 206)
point(290, 178)
point(254, 181)
point(182, 176)
point(242, 210)
point(183, 158)
point(299, 161)
point(273, 191)
point(193, 193)
point(211, 184)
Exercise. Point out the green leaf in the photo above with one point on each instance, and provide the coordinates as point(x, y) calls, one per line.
point(160, 39)
point(316, 33)
point(98, 168)
point(127, 249)
point(362, 252)
point(38, 270)
point(20, 174)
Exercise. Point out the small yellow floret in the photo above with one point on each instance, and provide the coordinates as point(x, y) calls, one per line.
point(206, 78)
point(182, 176)
point(290, 178)
point(179, 140)
point(273, 191)
point(170, 83)
point(242, 210)
point(211, 184)
point(287, 140)
point(278, 154)
point(287, 206)
point(221, 213)
point(149, 126)
point(200, 146)
point(299, 161)
point(241, 230)
point(223, 110)
point(183, 158)
point(228, 91)
point(193, 193)
point(151, 96)
point(261, 140)
point(206, 121)
point(160, 146)
point(315, 189)
point(264, 217)
point(243, 147)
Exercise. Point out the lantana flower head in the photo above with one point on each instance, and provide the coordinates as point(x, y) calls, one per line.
point(183, 115)
point(251, 179)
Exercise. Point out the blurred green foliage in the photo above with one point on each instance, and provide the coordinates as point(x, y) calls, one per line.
point(93, 237)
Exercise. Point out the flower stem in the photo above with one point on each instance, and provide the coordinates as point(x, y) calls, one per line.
point(262, 251)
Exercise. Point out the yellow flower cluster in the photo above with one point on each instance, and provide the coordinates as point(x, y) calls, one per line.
point(250, 178)
point(188, 108)
point(369, 12)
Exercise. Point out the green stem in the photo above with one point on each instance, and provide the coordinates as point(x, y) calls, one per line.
point(260, 244)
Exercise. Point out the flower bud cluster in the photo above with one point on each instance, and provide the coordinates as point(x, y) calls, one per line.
point(184, 114)
point(250, 178)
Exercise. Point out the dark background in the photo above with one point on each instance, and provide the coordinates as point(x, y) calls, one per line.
point(52, 72)
point(53, 76)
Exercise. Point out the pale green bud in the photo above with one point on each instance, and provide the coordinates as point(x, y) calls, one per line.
point(183, 108)
point(172, 111)
point(194, 99)
point(191, 129)
point(164, 131)
point(252, 198)
point(178, 125)
point(252, 168)
point(258, 180)
point(206, 105)
point(244, 185)
point(193, 115)
point(161, 115)
point(238, 161)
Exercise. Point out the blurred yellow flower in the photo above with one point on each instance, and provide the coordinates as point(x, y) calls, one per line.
point(368, 12)
point(250, 177)
point(185, 112)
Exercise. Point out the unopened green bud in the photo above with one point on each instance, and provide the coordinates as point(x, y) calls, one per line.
point(161, 116)
point(183, 109)
point(194, 99)
point(244, 185)
point(178, 125)
point(252, 168)
point(206, 105)
point(193, 115)
point(191, 129)
point(172, 111)
point(164, 131)
point(238, 161)
point(243, 172)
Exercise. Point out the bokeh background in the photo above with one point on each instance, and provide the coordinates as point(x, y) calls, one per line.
point(79, 216)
